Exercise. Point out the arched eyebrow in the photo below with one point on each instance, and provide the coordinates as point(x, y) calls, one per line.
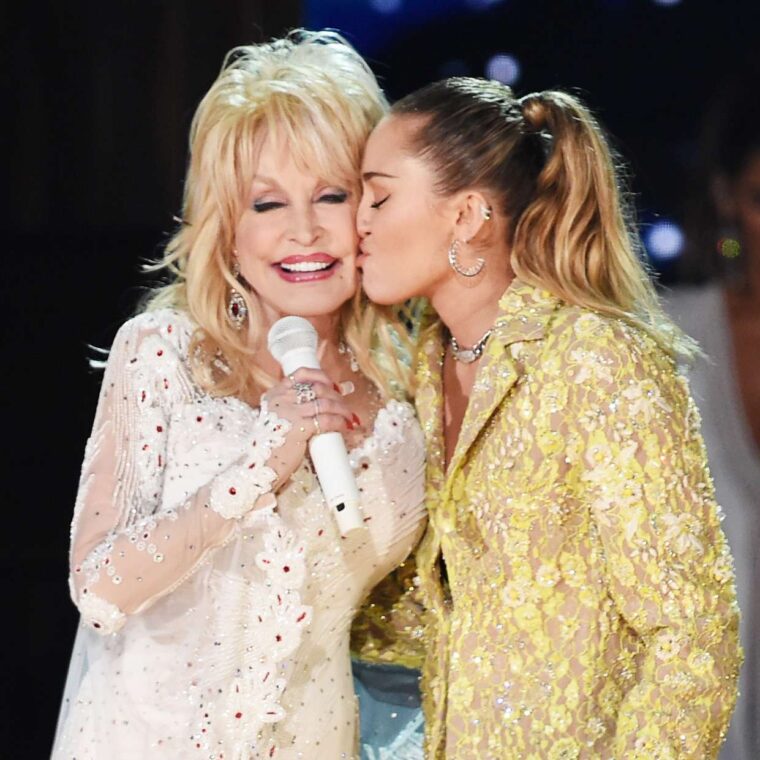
point(367, 176)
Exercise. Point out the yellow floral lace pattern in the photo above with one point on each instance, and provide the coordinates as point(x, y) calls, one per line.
point(590, 608)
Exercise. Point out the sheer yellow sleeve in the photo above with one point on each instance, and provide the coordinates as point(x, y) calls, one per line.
point(644, 475)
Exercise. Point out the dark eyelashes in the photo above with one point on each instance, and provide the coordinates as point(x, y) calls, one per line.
point(332, 198)
point(261, 207)
point(379, 203)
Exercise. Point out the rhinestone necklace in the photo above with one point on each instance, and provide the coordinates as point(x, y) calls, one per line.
point(469, 355)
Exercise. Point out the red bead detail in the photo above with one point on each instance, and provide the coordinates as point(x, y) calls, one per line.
point(278, 638)
point(199, 419)
point(159, 429)
point(238, 715)
point(233, 490)
point(160, 352)
point(235, 309)
point(301, 617)
point(286, 568)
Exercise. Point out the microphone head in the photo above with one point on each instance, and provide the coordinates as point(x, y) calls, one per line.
point(291, 333)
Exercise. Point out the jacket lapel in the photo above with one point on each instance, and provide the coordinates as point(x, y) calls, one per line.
point(429, 399)
point(524, 314)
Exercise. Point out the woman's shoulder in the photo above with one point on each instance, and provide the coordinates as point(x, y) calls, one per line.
point(580, 334)
point(172, 326)
point(695, 309)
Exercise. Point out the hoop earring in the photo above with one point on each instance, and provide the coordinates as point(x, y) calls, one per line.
point(237, 309)
point(472, 271)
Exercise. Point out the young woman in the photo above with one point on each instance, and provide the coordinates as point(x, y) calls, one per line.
point(216, 593)
point(580, 589)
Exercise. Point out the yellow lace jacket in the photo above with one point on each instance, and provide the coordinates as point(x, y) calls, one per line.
point(590, 609)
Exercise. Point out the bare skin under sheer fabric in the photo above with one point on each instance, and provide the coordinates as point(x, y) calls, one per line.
point(215, 614)
point(590, 609)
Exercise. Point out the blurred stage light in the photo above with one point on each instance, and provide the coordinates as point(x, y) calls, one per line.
point(504, 68)
point(385, 6)
point(664, 240)
point(666, 2)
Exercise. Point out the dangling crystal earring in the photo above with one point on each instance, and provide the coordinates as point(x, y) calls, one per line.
point(237, 310)
point(472, 271)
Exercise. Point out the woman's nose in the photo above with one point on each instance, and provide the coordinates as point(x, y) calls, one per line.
point(362, 219)
point(305, 228)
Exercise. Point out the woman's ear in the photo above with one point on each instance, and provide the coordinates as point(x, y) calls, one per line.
point(473, 213)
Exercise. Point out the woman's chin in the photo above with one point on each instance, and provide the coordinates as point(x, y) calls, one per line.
point(380, 295)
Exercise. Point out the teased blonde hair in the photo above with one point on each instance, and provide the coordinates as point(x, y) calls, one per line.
point(316, 93)
point(547, 161)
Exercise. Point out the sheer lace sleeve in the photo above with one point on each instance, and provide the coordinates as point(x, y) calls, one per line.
point(166, 472)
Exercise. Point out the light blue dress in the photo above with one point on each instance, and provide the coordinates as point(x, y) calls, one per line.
point(392, 725)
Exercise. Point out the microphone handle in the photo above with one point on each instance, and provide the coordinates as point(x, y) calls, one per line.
point(330, 458)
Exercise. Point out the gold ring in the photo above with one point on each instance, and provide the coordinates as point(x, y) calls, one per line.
point(316, 425)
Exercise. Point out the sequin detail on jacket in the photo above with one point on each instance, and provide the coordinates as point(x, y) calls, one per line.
point(590, 610)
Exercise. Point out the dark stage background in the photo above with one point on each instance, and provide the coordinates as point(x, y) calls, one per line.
point(100, 97)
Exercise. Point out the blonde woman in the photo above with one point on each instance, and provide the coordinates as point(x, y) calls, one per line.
point(215, 591)
point(580, 588)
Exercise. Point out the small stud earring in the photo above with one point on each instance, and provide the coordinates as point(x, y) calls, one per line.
point(486, 212)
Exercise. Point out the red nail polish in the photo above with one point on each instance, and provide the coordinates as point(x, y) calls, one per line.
point(336, 388)
point(349, 425)
point(356, 420)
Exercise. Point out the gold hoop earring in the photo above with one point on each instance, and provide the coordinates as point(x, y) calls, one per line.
point(237, 309)
point(472, 271)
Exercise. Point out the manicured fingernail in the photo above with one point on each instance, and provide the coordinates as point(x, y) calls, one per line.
point(336, 387)
point(346, 388)
point(356, 420)
point(349, 425)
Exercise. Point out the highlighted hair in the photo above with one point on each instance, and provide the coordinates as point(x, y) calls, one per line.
point(316, 93)
point(547, 162)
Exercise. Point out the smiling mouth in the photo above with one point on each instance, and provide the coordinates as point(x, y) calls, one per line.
point(307, 266)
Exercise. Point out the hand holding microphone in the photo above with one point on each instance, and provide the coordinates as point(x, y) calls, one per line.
point(310, 400)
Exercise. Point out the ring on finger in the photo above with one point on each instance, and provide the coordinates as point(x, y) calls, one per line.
point(316, 426)
point(316, 407)
point(304, 392)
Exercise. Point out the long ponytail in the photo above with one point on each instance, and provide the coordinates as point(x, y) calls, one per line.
point(570, 228)
point(575, 237)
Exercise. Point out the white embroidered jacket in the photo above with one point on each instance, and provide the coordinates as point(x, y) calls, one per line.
point(224, 608)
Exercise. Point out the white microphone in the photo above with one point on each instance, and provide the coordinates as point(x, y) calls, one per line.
point(293, 342)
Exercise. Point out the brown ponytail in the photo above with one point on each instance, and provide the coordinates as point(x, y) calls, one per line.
point(545, 157)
